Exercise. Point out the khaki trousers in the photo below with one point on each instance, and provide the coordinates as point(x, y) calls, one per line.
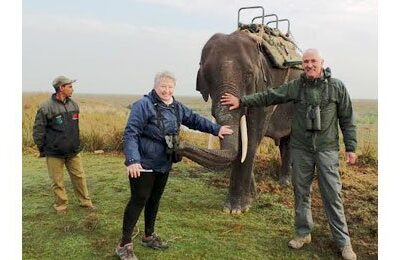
point(327, 163)
point(74, 167)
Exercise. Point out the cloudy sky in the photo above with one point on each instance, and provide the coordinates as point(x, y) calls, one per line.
point(118, 46)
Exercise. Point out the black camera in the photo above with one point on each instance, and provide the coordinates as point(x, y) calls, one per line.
point(172, 141)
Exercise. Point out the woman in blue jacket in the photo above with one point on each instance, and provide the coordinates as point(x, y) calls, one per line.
point(148, 160)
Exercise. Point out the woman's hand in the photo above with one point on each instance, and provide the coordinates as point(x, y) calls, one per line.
point(133, 170)
point(224, 130)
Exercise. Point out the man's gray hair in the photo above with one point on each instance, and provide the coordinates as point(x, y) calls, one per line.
point(313, 50)
point(163, 75)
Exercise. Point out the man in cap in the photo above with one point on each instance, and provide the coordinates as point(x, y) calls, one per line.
point(56, 134)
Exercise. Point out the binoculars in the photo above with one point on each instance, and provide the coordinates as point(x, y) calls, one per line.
point(172, 141)
point(313, 118)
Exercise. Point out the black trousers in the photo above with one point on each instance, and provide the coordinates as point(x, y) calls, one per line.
point(146, 192)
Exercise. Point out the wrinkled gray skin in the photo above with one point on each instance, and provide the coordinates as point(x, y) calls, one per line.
point(234, 63)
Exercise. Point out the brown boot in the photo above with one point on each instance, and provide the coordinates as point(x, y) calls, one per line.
point(61, 211)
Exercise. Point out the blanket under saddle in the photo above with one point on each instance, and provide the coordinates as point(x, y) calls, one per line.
point(280, 49)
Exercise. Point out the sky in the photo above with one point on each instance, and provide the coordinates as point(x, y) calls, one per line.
point(116, 47)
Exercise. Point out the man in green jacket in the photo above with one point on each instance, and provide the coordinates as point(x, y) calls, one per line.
point(56, 134)
point(321, 104)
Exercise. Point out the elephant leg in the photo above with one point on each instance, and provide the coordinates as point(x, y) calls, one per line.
point(242, 189)
point(286, 161)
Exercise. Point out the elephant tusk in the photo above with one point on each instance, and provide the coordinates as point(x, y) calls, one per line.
point(210, 137)
point(244, 138)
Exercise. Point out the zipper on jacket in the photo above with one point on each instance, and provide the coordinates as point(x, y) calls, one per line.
point(65, 107)
point(67, 123)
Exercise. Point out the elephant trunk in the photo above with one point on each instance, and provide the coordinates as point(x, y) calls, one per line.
point(212, 159)
point(229, 146)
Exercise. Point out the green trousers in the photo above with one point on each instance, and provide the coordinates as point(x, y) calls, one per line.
point(327, 163)
point(74, 167)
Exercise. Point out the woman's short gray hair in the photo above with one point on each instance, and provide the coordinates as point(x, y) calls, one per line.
point(163, 75)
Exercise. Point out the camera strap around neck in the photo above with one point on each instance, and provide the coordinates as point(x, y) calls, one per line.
point(160, 122)
point(304, 95)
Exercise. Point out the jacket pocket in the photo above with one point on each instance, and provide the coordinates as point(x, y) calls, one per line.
point(328, 115)
point(152, 150)
point(58, 123)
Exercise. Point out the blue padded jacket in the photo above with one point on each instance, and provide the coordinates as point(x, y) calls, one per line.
point(144, 141)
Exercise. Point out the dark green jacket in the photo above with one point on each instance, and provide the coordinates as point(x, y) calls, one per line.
point(56, 128)
point(335, 105)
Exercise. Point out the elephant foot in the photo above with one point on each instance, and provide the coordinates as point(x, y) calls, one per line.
point(237, 207)
point(284, 180)
point(235, 211)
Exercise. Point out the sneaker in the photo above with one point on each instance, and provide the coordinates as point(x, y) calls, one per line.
point(298, 241)
point(154, 242)
point(348, 253)
point(126, 252)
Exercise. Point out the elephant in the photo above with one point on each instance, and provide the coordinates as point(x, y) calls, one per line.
point(236, 63)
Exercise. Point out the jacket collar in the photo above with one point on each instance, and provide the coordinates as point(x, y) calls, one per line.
point(326, 74)
point(156, 99)
point(54, 97)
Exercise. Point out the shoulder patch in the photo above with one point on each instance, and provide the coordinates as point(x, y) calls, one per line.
point(75, 116)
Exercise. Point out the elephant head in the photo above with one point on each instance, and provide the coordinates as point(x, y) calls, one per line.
point(229, 63)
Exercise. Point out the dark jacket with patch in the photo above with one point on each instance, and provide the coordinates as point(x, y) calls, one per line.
point(56, 128)
point(150, 119)
point(336, 109)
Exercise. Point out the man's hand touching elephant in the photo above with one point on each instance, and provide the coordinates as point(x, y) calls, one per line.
point(224, 130)
point(230, 100)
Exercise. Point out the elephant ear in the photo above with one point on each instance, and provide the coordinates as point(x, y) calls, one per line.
point(201, 85)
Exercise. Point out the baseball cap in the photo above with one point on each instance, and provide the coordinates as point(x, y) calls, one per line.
point(62, 80)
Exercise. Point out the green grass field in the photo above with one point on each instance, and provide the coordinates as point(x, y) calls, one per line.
point(190, 215)
point(190, 218)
